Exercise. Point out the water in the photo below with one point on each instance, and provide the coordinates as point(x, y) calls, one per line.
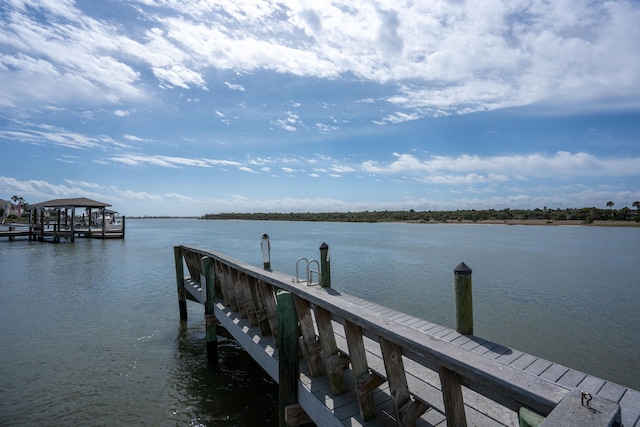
point(90, 332)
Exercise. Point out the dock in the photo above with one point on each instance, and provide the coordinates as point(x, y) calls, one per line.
point(55, 220)
point(340, 360)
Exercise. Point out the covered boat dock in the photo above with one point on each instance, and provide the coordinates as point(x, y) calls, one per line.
point(58, 218)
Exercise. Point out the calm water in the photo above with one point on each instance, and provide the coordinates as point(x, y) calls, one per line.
point(90, 331)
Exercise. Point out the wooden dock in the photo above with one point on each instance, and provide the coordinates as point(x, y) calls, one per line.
point(343, 361)
point(57, 233)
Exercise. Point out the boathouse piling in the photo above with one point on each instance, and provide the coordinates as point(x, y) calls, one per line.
point(464, 299)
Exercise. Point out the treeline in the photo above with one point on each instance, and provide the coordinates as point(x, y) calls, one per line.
point(586, 215)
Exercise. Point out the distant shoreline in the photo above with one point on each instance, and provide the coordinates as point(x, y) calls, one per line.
point(526, 222)
point(538, 222)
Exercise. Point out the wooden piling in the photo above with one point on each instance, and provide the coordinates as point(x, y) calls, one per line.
point(288, 368)
point(182, 292)
point(266, 252)
point(464, 299)
point(211, 323)
point(325, 266)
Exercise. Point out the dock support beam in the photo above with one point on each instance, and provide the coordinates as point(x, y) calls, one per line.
point(288, 368)
point(464, 299)
point(182, 292)
point(211, 323)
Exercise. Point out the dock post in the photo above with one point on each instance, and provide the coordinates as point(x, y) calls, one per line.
point(288, 368)
point(266, 252)
point(123, 222)
point(211, 323)
point(325, 266)
point(182, 292)
point(464, 299)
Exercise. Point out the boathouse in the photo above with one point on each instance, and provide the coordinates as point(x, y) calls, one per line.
point(59, 218)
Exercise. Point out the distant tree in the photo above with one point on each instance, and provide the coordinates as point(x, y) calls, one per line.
point(636, 205)
point(610, 204)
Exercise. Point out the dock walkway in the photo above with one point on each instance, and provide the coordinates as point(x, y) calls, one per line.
point(55, 233)
point(368, 365)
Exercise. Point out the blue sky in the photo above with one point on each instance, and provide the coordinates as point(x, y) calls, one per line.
point(168, 107)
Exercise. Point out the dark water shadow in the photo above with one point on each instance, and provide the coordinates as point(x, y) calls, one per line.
point(237, 392)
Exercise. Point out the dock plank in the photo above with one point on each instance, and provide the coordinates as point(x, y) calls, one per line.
point(554, 372)
point(630, 405)
point(572, 378)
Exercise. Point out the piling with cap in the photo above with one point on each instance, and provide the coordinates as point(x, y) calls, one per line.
point(325, 266)
point(464, 299)
point(266, 252)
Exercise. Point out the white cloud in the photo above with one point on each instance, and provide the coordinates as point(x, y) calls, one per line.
point(289, 123)
point(398, 117)
point(233, 86)
point(533, 165)
point(448, 57)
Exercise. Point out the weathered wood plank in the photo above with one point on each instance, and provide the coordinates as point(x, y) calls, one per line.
point(360, 369)
point(452, 395)
point(538, 367)
point(312, 347)
point(269, 298)
point(288, 367)
point(239, 292)
point(591, 384)
point(260, 311)
point(630, 404)
point(407, 410)
point(334, 362)
point(554, 372)
point(571, 378)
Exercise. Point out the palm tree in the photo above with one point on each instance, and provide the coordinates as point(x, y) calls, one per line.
point(636, 205)
point(19, 202)
point(610, 204)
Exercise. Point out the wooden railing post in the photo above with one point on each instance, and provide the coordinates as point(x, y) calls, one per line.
point(182, 292)
point(310, 341)
point(335, 362)
point(407, 410)
point(325, 266)
point(208, 281)
point(288, 367)
point(464, 299)
point(366, 380)
point(452, 396)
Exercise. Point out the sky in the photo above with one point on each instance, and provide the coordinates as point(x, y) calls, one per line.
point(189, 107)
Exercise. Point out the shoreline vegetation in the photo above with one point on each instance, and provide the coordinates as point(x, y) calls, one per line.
point(624, 217)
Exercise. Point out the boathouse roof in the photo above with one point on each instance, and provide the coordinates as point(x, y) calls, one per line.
point(77, 202)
